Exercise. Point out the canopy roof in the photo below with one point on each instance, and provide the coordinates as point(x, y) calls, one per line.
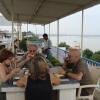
point(42, 11)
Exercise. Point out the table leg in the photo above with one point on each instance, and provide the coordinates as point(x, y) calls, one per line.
point(15, 96)
point(67, 94)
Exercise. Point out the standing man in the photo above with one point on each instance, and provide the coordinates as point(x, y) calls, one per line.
point(46, 45)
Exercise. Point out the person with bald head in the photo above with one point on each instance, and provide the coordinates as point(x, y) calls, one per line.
point(75, 68)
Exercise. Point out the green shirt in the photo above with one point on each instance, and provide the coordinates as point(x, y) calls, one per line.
point(80, 66)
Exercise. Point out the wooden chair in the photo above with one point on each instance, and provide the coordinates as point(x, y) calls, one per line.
point(95, 75)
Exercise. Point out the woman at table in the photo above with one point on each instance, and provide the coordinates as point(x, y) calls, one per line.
point(39, 81)
point(6, 73)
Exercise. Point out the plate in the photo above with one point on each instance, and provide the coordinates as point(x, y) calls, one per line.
point(63, 80)
point(59, 75)
point(16, 78)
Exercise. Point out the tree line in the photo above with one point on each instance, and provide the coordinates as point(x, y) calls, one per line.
point(87, 53)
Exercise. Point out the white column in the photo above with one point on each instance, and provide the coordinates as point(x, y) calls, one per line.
point(27, 30)
point(44, 28)
point(49, 30)
point(20, 32)
point(36, 29)
point(57, 38)
point(12, 36)
point(82, 32)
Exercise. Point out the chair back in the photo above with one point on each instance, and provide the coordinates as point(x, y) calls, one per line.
point(95, 76)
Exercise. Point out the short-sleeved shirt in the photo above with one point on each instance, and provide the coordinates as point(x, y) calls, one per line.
point(80, 66)
point(46, 44)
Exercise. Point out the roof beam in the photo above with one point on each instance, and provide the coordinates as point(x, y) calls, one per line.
point(40, 3)
point(37, 8)
point(19, 15)
point(4, 7)
point(64, 3)
point(79, 8)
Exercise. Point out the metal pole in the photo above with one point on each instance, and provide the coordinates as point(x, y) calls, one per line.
point(44, 28)
point(57, 38)
point(36, 29)
point(49, 30)
point(27, 31)
point(12, 35)
point(17, 30)
point(12, 15)
point(20, 33)
point(82, 33)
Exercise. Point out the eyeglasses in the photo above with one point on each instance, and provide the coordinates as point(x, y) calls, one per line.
point(10, 58)
point(32, 50)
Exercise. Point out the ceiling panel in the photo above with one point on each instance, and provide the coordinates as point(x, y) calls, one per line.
point(42, 11)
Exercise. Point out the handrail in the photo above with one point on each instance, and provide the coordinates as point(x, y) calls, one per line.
point(91, 62)
point(88, 61)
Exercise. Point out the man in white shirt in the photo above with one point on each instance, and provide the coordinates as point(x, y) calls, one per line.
point(46, 45)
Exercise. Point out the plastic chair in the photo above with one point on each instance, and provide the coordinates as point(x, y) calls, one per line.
point(95, 75)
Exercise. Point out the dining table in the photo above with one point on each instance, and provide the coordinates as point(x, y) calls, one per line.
point(66, 90)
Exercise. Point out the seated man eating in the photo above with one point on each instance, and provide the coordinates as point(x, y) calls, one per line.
point(77, 69)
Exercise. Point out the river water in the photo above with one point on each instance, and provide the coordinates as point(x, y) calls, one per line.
point(92, 43)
